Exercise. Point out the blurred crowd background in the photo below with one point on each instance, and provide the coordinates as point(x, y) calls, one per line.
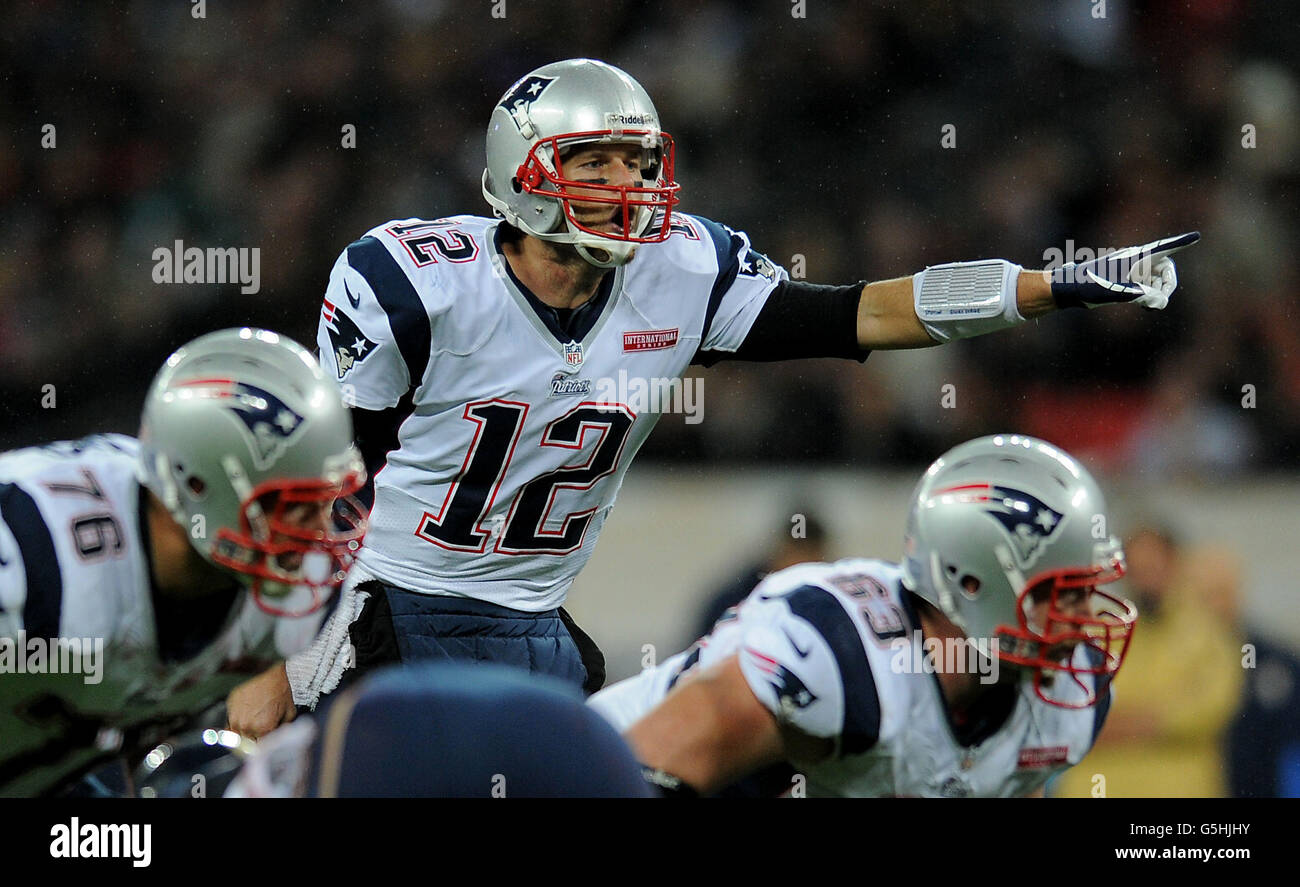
point(819, 136)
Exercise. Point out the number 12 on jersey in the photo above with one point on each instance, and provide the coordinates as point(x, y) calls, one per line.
point(458, 525)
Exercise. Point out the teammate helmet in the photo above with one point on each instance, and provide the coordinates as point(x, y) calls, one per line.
point(539, 119)
point(248, 445)
point(1007, 538)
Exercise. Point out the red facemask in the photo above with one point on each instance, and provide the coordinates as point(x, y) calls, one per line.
point(296, 539)
point(535, 177)
point(1059, 610)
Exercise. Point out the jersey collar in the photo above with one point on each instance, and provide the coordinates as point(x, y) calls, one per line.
point(582, 323)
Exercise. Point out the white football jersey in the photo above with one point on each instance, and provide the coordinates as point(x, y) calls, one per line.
point(516, 436)
point(74, 565)
point(833, 651)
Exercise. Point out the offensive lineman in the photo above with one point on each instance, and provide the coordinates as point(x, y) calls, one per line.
point(136, 555)
point(859, 675)
point(477, 354)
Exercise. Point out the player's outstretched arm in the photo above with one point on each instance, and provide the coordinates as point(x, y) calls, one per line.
point(709, 731)
point(888, 321)
point(964, 299)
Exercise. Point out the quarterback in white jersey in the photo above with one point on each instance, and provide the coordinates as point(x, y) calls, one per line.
point(517, 438)
point(860, 677)
point(492, 365)
point(123, 601)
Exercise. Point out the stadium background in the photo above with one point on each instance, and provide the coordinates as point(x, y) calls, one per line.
point(820, 136)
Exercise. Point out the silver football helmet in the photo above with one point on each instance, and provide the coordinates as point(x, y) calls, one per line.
point(548, 112)
point(1007, 537)
point(248, 445)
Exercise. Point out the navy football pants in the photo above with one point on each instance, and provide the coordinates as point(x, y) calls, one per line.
point(397, 625)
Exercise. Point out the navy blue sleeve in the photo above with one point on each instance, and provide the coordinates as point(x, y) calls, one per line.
point(801, 320)
point(376, 433)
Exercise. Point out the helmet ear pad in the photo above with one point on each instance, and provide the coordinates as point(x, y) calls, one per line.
point(549, 214)
point(545, 214)
point(532, 212)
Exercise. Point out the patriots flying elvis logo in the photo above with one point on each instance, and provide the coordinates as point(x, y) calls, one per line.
point(350, 344)
point(522, 95)
point(271, 423)
point(755, 264)
point(1029, 521)
point(791, 693)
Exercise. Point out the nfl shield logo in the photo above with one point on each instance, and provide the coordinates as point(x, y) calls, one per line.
point(573, 355)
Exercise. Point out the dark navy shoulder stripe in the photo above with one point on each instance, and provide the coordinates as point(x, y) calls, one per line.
point(44, 600)
point(728, 246)
point(407, 316)
point(861, 703)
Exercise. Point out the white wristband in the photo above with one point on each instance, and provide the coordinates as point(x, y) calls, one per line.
point(963, 299)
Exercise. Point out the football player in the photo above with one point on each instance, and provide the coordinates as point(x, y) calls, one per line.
point(980, 666)
point(132, 571)
point(479, 356)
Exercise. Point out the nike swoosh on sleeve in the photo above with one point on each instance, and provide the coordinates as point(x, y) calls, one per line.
point(803, 654)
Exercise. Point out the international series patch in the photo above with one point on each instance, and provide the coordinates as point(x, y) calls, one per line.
point(649, 340)
point(1038, 758)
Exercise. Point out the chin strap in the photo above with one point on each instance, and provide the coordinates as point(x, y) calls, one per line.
point(946, 602)
point(613, 257)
